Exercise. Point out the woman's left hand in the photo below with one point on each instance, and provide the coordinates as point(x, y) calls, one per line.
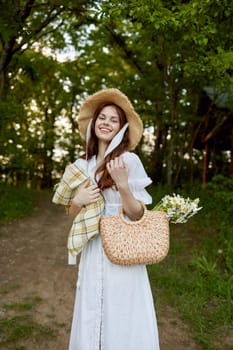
point(118, 171)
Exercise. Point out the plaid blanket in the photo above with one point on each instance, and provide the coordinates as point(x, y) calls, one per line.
point(86, 224)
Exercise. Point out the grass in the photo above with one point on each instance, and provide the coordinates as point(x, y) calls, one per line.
point(203, 299)
point(197, 276)
point(21, 327)
point(17, 323)
point(16, 329)
point(27, 305)
point(15, 202)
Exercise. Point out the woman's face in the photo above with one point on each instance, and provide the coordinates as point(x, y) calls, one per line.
point(107, 124)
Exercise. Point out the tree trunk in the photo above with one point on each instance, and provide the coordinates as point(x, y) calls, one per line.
point(171, 143)
point(156, 164)
point(47, 151)
point(231, 164)
point(5, 58)
point(205, 163)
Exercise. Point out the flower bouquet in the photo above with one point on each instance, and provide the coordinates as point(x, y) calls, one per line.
point(177, 208)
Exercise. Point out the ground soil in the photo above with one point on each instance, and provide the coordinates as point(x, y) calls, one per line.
point(33, 263)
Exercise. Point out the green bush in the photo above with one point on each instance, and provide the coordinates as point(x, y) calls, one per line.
point(15, 202)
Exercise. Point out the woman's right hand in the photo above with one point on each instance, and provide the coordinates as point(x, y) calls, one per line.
point(87, 193)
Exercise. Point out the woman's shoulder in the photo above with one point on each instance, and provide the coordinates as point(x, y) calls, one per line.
point(138, 178)
point(131, 158)
point(80, 162)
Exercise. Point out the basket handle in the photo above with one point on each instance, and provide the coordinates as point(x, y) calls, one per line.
point(135, 222)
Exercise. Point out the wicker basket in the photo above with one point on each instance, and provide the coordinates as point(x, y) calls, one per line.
point(145, 241)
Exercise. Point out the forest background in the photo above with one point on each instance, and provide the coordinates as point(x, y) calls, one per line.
point(174, 60)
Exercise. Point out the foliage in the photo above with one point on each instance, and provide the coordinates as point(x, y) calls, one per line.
point(15, 202)
point(161, 54)
point(34, 87)
point(168, 74)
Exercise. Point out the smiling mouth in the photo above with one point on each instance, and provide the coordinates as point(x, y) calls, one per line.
point(105, 130)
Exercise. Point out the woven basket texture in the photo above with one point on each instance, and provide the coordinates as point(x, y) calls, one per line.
point(145, 241)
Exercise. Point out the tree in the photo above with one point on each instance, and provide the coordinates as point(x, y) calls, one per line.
point(174, 50)
point(29, 28)
point(162, 54)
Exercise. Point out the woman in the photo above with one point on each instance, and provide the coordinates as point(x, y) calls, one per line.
point(114, 307)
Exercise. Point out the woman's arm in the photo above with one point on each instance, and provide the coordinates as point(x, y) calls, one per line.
point(132, 207)
point(86, 194)
point(73, 210)
point(119, 173)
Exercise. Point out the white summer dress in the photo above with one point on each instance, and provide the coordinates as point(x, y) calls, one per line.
point(114, 307)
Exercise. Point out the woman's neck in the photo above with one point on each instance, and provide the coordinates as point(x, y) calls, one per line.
point(101, 151)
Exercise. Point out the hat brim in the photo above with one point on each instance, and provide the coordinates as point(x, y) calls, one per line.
point(115, 96)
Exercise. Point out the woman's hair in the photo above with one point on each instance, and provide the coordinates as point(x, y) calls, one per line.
point(105, 180)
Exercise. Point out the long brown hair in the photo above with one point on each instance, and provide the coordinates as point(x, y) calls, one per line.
point(105, 180)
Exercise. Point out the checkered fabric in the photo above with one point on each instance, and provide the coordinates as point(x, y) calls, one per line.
point(86, 224)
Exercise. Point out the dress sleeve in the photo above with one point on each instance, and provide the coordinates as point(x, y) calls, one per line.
point(138, 178)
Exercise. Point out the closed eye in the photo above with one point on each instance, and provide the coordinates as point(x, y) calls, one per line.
point(114, 120)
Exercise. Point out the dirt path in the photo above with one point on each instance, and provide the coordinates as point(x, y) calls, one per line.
point(33, 263)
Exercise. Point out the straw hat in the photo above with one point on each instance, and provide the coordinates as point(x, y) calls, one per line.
point(115, 96)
